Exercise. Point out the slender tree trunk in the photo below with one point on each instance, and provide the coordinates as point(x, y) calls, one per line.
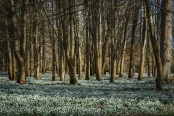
point(36, 48)
point(144, 37)
point(118, 66)
point(79, 55)
point(10, 71)
point(26, 60)
point(122, 58)
point(71, 58)
point(53, 50)
point(124, 45)
point(99, 45)
point(61, 49)
point(105, 46)
point(135, 20)
point(91, 61)
point(148, 59)
point(54, 58)
point(153, 66)
point(112, 39)
point(14, 64)
point(31, 55)
point(113, 61)
point(24, 36)
point(155, 47)
point(10, 61)
point(87, 50)
point(62, 63)
point(43, 50)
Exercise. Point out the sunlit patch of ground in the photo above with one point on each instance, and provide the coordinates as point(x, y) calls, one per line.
point(123, 97)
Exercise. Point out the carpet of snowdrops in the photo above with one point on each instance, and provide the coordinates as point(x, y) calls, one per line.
point(123, 97)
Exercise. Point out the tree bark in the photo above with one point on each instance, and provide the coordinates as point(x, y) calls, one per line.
point(53, 51)
point(14, 64)
point(31, 55)
point(166, 37)
point(54, 57)
point(99, 45)
point(105, 46)
point(144, 37)
point(23, 41)
point(87, 46)
point(155, 47)
point(36, 47)
point(43, 49)
point(135, 20)
point(19, 58)
point(10, 71)
point(124, 45)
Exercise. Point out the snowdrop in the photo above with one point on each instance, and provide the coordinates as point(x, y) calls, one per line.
point(87, 98)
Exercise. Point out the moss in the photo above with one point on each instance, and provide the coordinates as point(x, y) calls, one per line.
point(73, 81)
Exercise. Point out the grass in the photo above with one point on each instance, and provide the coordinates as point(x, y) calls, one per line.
point(55, 98)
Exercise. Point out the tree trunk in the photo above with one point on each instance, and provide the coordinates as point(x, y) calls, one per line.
point(87, 50)
point(19, 58)
point(99, 45)
point(21, 64)
point(112, 39)
point(166, 37)
point(144, 37)
point(148, 59)
point(118, 66)
point(31, 55)
point(79, 56)
point(54, 58)
point(43, 50)
point(10, 71)
point(105, 47)
point(26, 60)
point(70, 58)
point(122, 58)
point(155, 47)
point(62, 63)
point(36, 48)
point(124, 45)
point(135, 20)
point(23, 41)
point(14, 64)
point(10, 62)
point(113, 61)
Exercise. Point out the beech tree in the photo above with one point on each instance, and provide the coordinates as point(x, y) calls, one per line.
point(97, 37)
point(166, 38)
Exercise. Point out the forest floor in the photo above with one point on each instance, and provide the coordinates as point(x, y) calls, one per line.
point(93, 98)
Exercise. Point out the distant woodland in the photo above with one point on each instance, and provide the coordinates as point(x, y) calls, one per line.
point(91, 36)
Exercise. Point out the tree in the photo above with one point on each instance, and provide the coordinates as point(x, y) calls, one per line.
point(166, 37)
point(87, 44)
point(35, 37)
point(143, 44)
point(17, 44)
point(134, 25)
point(155, 47)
